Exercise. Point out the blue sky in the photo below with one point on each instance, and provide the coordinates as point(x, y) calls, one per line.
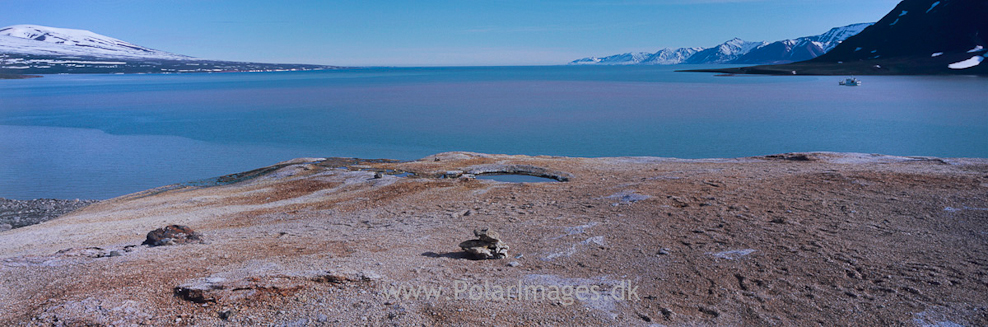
point(438, 33)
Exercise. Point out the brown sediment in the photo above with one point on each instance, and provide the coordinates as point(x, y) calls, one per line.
point(790, 239)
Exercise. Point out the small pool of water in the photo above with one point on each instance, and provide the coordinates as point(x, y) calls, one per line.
point(515, 178)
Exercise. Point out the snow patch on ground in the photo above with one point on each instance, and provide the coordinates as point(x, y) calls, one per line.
point(976, 49)
point(604, 301)
point(579, 229)
point(599, 240)
point(974, 61)
point(733, 254)
point(565, 253)
point(627, 197)
point(933, 6)
point(952, 209)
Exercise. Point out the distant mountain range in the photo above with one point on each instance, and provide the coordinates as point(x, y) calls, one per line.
point(33, 49)
point(737, 51)
point(918, 37)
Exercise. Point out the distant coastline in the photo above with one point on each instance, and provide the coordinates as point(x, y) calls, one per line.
point(17, 76)
point(906, 65)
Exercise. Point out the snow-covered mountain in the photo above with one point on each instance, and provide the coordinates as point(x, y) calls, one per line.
point(33, 49)
point(800, 49)
point(667, 56)
point(918, 37)
point(836, 35)
point(52, 41)
point(670, 56)
point(630, 58)
point(724, 53)
point(737, 51)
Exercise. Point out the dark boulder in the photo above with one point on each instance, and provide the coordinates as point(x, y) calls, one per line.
point(172, 235)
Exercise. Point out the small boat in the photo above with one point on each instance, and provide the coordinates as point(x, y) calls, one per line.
point(850, 82)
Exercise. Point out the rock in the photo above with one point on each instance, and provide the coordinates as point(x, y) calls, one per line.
point(114, 254)
point(238, 290)
point(91, 252)
point(5, 227)
point(171, 235)
point(678, 201)
point(514, 264)
point(226, 314)
point(369, 276)
point(201, 290)
point(334, 278)
point(793, 157)
point(487, 245)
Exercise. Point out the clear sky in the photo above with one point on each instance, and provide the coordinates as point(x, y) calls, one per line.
point(437, 33)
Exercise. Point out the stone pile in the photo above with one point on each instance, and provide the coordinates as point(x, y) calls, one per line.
point(488, 245)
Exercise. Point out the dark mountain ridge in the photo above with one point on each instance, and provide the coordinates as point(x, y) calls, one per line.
point(918, 37)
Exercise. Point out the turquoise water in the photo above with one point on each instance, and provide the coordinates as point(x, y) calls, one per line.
point(100, 136)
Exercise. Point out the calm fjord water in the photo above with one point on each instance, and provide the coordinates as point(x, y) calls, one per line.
point(100, 136)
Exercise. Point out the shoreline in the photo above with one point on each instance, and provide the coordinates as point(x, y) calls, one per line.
point(18, 76)
point(898, 66)
point(21, 213)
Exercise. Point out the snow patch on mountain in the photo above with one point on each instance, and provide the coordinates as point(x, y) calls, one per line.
point(974, 61)
point(52, 41)
point(836, 35)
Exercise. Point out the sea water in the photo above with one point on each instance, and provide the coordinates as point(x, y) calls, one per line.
point(101, 136)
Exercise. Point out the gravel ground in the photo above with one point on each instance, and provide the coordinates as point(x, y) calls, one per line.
point(20, 213)
point(800, 239)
